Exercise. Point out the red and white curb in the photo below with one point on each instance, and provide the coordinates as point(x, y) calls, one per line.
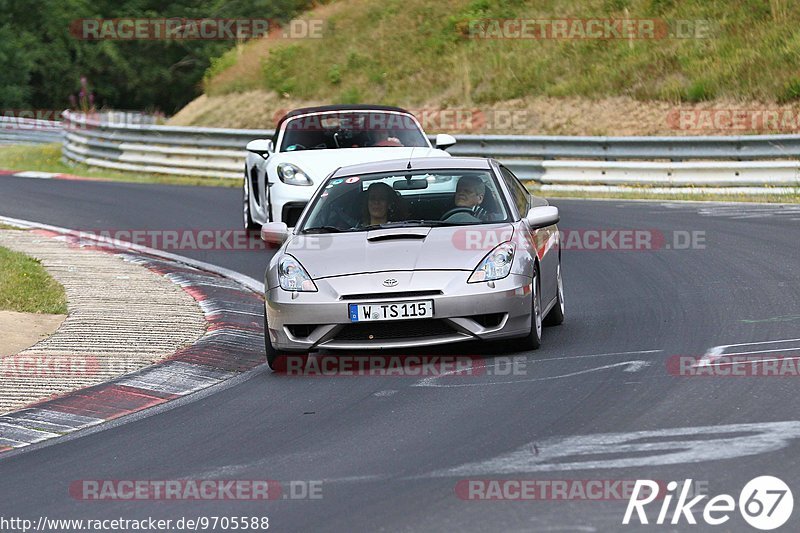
point(233, 343)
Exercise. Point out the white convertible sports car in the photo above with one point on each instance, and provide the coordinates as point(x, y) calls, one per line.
point(282, 173)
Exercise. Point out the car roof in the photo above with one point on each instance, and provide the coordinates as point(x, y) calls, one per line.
point(419, 163)
point(337, 107)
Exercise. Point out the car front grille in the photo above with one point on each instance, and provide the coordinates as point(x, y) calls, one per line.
point(400, 329)
point(383, 295)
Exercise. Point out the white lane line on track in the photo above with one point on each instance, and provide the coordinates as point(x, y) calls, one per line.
point(252, 284)
point(716, 352)
point(648, 448)
point(431, 380)
point(35, 174)
point(609, 354)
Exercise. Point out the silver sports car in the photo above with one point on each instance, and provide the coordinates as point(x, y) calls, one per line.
point(411, 253)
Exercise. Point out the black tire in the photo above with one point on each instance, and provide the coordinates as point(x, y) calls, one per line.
point(534, 339)
point(272, 354)
point(556, 315)
point(249, 225)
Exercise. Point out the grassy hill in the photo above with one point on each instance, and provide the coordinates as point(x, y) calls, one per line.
point(418, 53)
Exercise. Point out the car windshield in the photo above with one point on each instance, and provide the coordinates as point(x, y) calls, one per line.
point(451, 197)
point(363, 129)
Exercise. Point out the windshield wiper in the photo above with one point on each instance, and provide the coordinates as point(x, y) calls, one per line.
point(407, 223)
point(420, 222)
point(322, 229)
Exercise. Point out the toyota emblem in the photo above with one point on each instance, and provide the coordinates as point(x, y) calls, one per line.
point(391, 282)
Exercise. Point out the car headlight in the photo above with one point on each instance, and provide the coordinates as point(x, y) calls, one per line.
point(291, 174)
point(293, 277)
point(496, 265)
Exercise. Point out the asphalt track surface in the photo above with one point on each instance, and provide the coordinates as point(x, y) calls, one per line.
point(390, 452)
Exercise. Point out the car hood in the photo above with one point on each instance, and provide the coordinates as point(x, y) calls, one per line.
point(319, 163)
point(415, 248)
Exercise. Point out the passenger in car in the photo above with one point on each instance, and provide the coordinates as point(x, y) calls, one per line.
point(383, 204)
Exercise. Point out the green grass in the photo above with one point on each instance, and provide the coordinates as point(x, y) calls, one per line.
point(47, 158)
point(26, 287)
point(414, 52)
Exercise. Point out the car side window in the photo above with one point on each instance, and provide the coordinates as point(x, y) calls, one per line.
point(518, 191)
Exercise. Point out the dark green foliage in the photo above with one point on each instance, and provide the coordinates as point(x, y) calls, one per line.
point(41, 63)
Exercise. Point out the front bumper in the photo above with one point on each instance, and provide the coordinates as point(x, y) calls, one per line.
point(462, 311)
point(287, 201)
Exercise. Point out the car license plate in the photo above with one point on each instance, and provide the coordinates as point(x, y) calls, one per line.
point(390, 311)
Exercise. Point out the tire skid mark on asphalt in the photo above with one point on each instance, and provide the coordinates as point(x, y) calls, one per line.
point(233, 343)
point(632, 366)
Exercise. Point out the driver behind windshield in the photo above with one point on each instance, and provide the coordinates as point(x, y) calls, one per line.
point(469, 195)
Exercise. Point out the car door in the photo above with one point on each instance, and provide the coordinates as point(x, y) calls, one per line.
point(545, 239)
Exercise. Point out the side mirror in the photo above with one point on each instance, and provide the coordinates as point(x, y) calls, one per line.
point(262, 147)
point(444, 141)
point(274, 233)
point(542, 216)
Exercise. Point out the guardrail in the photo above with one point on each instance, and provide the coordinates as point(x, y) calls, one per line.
point(18, 130)
point(764, 161)
point(212, 152)
point(738, 148)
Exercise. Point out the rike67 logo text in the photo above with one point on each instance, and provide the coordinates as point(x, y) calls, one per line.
point(765, 503)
